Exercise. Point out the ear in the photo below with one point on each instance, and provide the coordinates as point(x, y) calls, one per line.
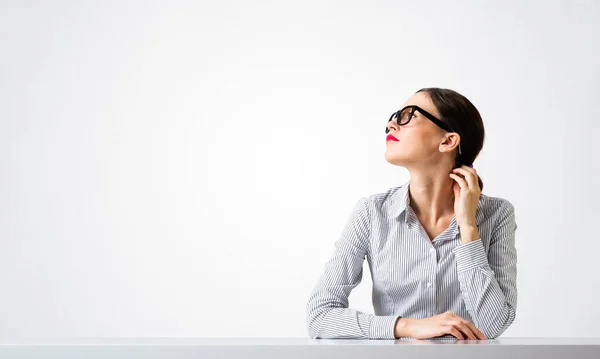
point(450, 142)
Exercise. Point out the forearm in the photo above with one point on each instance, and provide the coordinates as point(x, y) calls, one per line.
point(348, 323)
point(489, 306)
point(327, 312)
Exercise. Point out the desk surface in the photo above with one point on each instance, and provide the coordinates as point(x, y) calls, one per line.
point(97, 348)
point(261, 341)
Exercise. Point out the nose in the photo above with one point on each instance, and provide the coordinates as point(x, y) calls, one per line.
point(391, 127)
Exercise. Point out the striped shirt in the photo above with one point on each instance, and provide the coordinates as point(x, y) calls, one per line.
point(414, 276)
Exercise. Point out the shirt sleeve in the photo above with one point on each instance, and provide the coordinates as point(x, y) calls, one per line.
point(488, 281)
point(327, 312)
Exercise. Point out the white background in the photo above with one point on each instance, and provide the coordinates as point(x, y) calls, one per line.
point(183, 168)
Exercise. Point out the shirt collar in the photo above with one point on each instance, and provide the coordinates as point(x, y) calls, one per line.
point(400, 200)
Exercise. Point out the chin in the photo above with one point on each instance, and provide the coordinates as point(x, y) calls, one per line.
point(395, 159)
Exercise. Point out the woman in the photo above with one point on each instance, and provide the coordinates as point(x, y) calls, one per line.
point(441, 254)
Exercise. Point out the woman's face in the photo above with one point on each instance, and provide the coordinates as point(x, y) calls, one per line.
point(419, 140)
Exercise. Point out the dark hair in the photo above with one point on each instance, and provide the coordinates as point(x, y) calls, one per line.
point(458, 112)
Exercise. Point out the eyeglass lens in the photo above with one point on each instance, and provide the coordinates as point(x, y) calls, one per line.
point(405, 117)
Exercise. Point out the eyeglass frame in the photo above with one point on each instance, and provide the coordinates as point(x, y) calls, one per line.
point(431, 117)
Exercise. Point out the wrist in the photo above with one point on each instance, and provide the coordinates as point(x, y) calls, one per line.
point(402, 328)
point(468, 233)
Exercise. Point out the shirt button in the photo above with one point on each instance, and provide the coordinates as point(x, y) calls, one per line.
point(428, 284)
point(431, 249)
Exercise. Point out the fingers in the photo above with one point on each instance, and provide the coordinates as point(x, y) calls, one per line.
point(469, 168)
point(455, 332)
point(463, 327)
point(470, 175)
point(459, 323)
point(461, 182)
point(476, 331)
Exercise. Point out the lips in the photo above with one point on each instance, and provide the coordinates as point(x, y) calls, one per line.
point(391, 138)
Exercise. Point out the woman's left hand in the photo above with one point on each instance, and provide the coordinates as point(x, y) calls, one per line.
point(466, 195)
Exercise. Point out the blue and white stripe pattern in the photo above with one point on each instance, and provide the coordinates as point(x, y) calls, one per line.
point(413, 276)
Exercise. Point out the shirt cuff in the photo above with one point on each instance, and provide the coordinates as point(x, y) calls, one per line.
point(470, 255)
point(382, 327)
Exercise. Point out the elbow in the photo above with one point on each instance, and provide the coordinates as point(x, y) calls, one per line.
point(314, 326)
point(499, 325)
point(313, 333)
point(314, 321)
point(323, 323)
point(317, 324)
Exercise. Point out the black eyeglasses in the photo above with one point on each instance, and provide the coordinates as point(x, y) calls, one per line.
point(404, 116)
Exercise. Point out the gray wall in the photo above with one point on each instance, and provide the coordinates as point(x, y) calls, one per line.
point(182, 168)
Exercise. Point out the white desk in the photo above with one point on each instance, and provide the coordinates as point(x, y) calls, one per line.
point(142, 348)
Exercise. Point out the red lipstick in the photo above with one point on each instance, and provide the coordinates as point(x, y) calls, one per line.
point(391, 138)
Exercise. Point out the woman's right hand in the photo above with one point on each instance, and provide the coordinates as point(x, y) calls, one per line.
point(438, 325)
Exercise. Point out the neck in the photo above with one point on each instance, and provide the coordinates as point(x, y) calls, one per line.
point(431, 196)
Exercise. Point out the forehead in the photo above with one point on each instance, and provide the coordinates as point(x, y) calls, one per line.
point(422, 100)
